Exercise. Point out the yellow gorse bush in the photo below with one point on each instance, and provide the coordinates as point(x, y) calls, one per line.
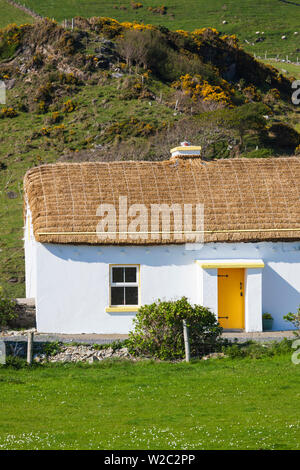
point(69, 106)
point(8, 112)
point(199, 89)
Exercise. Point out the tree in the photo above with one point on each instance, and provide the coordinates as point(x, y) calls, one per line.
point(249, 117)
point(145, 48)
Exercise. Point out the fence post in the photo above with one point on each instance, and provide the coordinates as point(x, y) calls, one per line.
point(2, 352)
point(29, 346)
point(186, 341)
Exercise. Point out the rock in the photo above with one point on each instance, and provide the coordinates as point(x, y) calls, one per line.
point(117, 74)
point(230, 72)
point(11, 195)
point(216, 355)
point(10, 83)
point(93, 359)
point(67, 358)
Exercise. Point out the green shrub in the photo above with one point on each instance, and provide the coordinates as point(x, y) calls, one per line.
point(284, 136)
point(259, 153)
point(8, 310)
point(294, 319)
point(255, 350)
point(267, 316)
point(52, 348)
point(15, 362)
point(115, 345)
point(159, 331)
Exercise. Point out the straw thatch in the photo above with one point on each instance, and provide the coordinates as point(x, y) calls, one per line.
point(244, 199)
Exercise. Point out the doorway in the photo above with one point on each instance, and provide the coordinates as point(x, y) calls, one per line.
point(231, 300)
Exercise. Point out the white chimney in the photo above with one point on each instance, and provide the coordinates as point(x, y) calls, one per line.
point(186, 150)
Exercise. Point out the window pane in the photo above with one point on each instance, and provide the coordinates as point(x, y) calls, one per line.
point(130, 274)
point(117, 296)
point(117, 274)
point(131, 296)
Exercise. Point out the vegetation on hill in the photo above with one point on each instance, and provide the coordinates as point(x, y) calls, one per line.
point(259, 24)
point(109, 90)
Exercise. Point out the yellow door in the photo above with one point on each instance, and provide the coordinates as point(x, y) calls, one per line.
point(231, 298)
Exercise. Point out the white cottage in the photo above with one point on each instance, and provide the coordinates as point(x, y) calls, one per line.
point(101, 239)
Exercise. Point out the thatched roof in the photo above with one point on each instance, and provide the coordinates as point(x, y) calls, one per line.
point(244, 199)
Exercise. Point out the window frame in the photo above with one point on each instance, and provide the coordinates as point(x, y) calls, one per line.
point(125, 284)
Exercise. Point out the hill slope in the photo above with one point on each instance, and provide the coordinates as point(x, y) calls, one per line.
point(92, 94)
point(244, 18)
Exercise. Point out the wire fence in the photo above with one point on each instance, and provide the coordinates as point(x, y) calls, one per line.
point(283, 58)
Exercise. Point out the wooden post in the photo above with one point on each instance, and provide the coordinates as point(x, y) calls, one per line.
point(29, 346)
point(186, 341)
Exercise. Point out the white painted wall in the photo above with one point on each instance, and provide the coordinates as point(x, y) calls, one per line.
point(30, 257)
point(253, 299)
point(208, 288)
point(72, 288)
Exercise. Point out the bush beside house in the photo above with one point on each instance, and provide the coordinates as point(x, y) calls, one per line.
point(158, 330)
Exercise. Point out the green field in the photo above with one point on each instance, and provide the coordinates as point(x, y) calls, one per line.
point(215, 404)
point(290, 70)
point(273, 17)
point(10, 14)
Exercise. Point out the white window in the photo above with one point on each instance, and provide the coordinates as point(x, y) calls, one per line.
point(124, 285)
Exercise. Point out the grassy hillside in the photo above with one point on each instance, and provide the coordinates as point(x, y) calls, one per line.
point(91, 94)
point(273, 17)
point(10, 14)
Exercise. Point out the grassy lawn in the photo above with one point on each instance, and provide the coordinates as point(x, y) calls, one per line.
point(216, 404)
point(10, 14)
point(243, 18)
